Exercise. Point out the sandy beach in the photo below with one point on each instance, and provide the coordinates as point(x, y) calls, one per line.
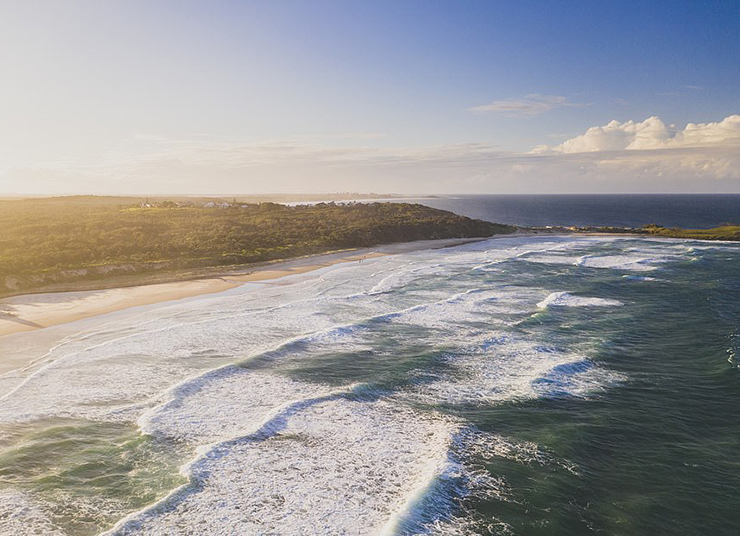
point(35, 311)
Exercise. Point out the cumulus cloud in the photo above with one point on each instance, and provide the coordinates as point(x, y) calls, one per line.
point(529, 105)
point(703, 155)
point(649, 134)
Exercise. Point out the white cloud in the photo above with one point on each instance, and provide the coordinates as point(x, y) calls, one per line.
point(529, 105)
point(648, 135)
point(650, 153)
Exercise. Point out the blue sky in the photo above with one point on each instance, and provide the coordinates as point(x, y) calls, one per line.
point(312, 95)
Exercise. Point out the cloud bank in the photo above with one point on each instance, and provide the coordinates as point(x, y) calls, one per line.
point(618, 157)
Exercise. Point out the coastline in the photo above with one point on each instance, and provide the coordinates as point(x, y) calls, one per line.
point(29, 312)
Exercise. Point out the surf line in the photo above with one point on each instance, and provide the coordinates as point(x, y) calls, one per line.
point(269, 426)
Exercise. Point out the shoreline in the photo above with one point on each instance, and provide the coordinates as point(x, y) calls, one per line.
point(30, 312)
point(34, 311)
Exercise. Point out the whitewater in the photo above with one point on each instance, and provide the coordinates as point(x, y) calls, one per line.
point(361, 398)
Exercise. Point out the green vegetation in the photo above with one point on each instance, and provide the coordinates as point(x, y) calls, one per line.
point(87, 237)
point(727, 232)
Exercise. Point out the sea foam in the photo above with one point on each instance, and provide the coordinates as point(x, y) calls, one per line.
point(566, 299)
point(22, 515)
point(334, 466)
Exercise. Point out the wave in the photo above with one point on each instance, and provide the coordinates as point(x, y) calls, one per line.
point(575, 379)
point(341, 465)
point(640, 278)
point(445, 508)
point(632, 259)
point(22, 514)
point(215, 406)
point(566, 299)
point(299, 346)
point(637, 263)
point(281, 454)
point(503, 368)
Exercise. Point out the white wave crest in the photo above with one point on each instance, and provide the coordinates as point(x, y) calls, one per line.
point(330, 465)
point(566, 299)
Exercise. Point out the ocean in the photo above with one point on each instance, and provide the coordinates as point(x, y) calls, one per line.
point(547, 385)
point(677, 210)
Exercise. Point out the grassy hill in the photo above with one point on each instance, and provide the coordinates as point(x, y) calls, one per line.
point(52, 240)
point(727, 232)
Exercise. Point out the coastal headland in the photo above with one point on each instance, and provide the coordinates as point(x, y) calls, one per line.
point(95, 255)
point(88, 242)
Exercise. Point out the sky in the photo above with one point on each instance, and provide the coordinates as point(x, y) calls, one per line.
point(405, 96)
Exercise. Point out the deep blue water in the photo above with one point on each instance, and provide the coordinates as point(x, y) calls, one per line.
point(685, 210)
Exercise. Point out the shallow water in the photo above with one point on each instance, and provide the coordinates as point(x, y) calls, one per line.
point(546, 385)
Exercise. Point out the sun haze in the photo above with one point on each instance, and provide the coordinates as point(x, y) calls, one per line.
point(183, 97)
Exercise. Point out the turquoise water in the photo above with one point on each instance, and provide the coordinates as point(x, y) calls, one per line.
point(533, 386)
point(87, 473)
